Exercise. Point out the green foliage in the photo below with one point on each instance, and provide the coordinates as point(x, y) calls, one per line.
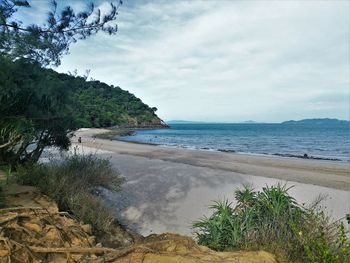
point(40, 108)
point(35, 110)
point(271, 219)
point(48, 42)
point(73, 184)
point(220, 231)
point(322, 241)
point(100, 105)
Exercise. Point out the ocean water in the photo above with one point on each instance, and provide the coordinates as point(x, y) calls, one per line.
point(317, 141)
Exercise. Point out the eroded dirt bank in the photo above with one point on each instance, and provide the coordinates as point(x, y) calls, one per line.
point(34, 230)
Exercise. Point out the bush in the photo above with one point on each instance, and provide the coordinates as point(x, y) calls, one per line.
point(272, 220)
point(91, 211)
point(73, 183)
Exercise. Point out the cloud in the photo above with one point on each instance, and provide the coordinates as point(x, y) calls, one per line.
point(227, 60)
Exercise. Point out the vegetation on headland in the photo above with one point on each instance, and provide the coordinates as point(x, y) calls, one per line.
point(100, 105)
point(272, 220)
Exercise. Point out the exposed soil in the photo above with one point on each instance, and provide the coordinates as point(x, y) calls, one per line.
point(32, 229)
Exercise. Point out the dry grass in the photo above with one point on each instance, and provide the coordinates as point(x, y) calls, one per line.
point(72, 183)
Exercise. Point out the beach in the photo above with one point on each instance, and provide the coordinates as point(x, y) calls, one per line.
point(166, 189)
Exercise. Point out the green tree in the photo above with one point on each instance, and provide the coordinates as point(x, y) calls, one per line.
point(35, 110)
point(48, 42)
point(34, 105)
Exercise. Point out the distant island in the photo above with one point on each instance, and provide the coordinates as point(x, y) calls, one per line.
point(185, 122)
point(249, 122)
point(208, 122)
point(316, 121)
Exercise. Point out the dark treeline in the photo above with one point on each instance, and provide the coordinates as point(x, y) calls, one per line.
point(92, 103)
point(39, 107)
point(97, 104)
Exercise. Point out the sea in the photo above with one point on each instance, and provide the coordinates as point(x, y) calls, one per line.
point(324, 142)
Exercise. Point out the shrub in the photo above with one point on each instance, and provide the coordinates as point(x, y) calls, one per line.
point(321, 240)
point(272, 220)
point(73, 183)
point(91, 211)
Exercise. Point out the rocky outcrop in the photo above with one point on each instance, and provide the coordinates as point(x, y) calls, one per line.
point(155, 123)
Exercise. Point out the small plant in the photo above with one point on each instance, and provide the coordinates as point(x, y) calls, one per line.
point(214, 230)
point(272, 220)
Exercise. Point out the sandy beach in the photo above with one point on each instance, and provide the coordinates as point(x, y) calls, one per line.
point(167, 189)
point(323, 173)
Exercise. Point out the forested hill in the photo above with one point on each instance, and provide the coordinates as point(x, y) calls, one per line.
point(97, 104)
point(39, 93)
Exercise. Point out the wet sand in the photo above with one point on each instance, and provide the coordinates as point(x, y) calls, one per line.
point(323, 173)
point(167, 189)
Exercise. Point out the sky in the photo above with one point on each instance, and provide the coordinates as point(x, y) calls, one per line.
point(224, 61)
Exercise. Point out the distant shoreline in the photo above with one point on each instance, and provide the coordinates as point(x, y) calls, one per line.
point(311, 121)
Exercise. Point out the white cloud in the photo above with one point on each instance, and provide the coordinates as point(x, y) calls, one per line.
point(227, 60)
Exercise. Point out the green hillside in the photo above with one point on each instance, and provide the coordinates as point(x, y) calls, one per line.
point(90, 103)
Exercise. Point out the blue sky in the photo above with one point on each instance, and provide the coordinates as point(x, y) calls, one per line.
point(224, 60)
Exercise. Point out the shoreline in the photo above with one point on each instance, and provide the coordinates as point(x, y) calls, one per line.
point(206, 149)
point(163, 185)
point(128, 132)
point(324, 173)
point(132, 131)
